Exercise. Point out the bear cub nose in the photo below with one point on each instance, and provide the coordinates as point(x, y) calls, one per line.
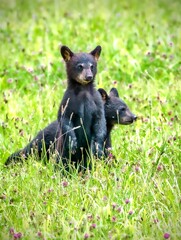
point(89, 78)
point(134, 118)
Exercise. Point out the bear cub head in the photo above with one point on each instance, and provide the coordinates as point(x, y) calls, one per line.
point(116, 110)
point(81, 67)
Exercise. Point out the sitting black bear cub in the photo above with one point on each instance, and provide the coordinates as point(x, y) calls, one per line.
point(81, 113)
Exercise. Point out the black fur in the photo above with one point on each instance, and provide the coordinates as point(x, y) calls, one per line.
point(116, 112)
point(48, 136)
point(81, 113)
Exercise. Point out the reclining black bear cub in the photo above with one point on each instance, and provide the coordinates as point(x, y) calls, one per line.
point(116, 112)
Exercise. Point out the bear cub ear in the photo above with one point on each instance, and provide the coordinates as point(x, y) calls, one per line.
point(66, 53)
point(104, 94)
point(114, 92)
point(96, 52)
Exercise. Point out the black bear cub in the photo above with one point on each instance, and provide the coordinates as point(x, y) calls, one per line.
point(81, 112)
point(116, 112)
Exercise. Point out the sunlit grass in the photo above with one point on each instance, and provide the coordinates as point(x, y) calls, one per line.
point(136, 196)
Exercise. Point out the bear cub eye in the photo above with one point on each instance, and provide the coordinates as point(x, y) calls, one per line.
point(92, 67)
point(80, 67)
point(122, 109)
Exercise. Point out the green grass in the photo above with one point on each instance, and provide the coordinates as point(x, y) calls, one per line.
point(142, 53)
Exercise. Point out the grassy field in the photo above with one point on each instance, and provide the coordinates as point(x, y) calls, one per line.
point(136, 196)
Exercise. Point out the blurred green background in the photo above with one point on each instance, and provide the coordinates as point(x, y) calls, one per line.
point(141, 56)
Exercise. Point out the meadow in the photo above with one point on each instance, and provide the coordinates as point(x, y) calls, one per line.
point(138, 194)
